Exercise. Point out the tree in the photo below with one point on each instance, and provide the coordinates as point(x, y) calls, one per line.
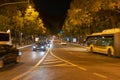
point(4, 23)
point(77, 22)
point(23, 22)
point(33, 25)
point(89, 14)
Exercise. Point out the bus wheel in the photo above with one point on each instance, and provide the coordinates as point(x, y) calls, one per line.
point(109, 52)
point(91, 50)
point(1, 63)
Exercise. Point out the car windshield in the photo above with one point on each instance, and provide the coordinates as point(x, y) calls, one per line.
point(43, 43)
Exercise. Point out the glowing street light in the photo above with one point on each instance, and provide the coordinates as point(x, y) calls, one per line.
point(30, 7)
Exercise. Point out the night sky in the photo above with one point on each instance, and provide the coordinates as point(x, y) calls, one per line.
point(53, 12)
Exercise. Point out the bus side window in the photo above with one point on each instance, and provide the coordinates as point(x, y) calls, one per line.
point(98, 43)
point(110, 43)
point(89, 41)
point(107, 42)
point(104, 43)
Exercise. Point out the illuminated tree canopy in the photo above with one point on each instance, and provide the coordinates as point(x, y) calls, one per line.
point(88, 16)
point(21, 19)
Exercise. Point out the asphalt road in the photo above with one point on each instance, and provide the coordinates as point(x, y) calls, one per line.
point(62, 62)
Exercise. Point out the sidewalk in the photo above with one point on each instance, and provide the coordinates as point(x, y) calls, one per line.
point(20, 47)
point(81, 45)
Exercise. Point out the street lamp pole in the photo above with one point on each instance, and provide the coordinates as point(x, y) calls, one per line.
point(14, 3)
point(28, 1)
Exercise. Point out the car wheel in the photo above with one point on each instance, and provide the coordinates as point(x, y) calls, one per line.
point(1, 63)
point(17, 59)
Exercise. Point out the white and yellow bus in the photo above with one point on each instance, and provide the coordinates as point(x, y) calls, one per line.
point(105, 42)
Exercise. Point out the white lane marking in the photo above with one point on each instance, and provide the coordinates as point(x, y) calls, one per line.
point(51, 62)
point(31, 69)
point(100, 75)
point(27, 78)
point(65, 64)
point(82, 68)
point(58, 65)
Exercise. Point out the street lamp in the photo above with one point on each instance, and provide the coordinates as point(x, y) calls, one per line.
point(30, 7)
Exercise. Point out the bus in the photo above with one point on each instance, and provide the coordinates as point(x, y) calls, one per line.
point(105, 42)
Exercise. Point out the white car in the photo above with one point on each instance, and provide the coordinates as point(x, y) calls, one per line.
point(63, 43)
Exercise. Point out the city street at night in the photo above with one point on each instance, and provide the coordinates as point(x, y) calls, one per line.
point(59, 39)
point(62, 62)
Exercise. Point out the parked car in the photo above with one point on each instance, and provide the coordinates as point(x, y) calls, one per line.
point(9, 54)
point(39, 46)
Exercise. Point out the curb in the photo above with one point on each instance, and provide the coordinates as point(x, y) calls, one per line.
point(24, 46)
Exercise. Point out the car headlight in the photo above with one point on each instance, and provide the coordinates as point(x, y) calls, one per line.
point(42, 47)
point(34, 46)
point(19, 53)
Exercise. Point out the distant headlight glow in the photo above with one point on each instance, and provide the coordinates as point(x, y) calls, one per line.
point(34, 46)
point(42, 47)
point(19, 53)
